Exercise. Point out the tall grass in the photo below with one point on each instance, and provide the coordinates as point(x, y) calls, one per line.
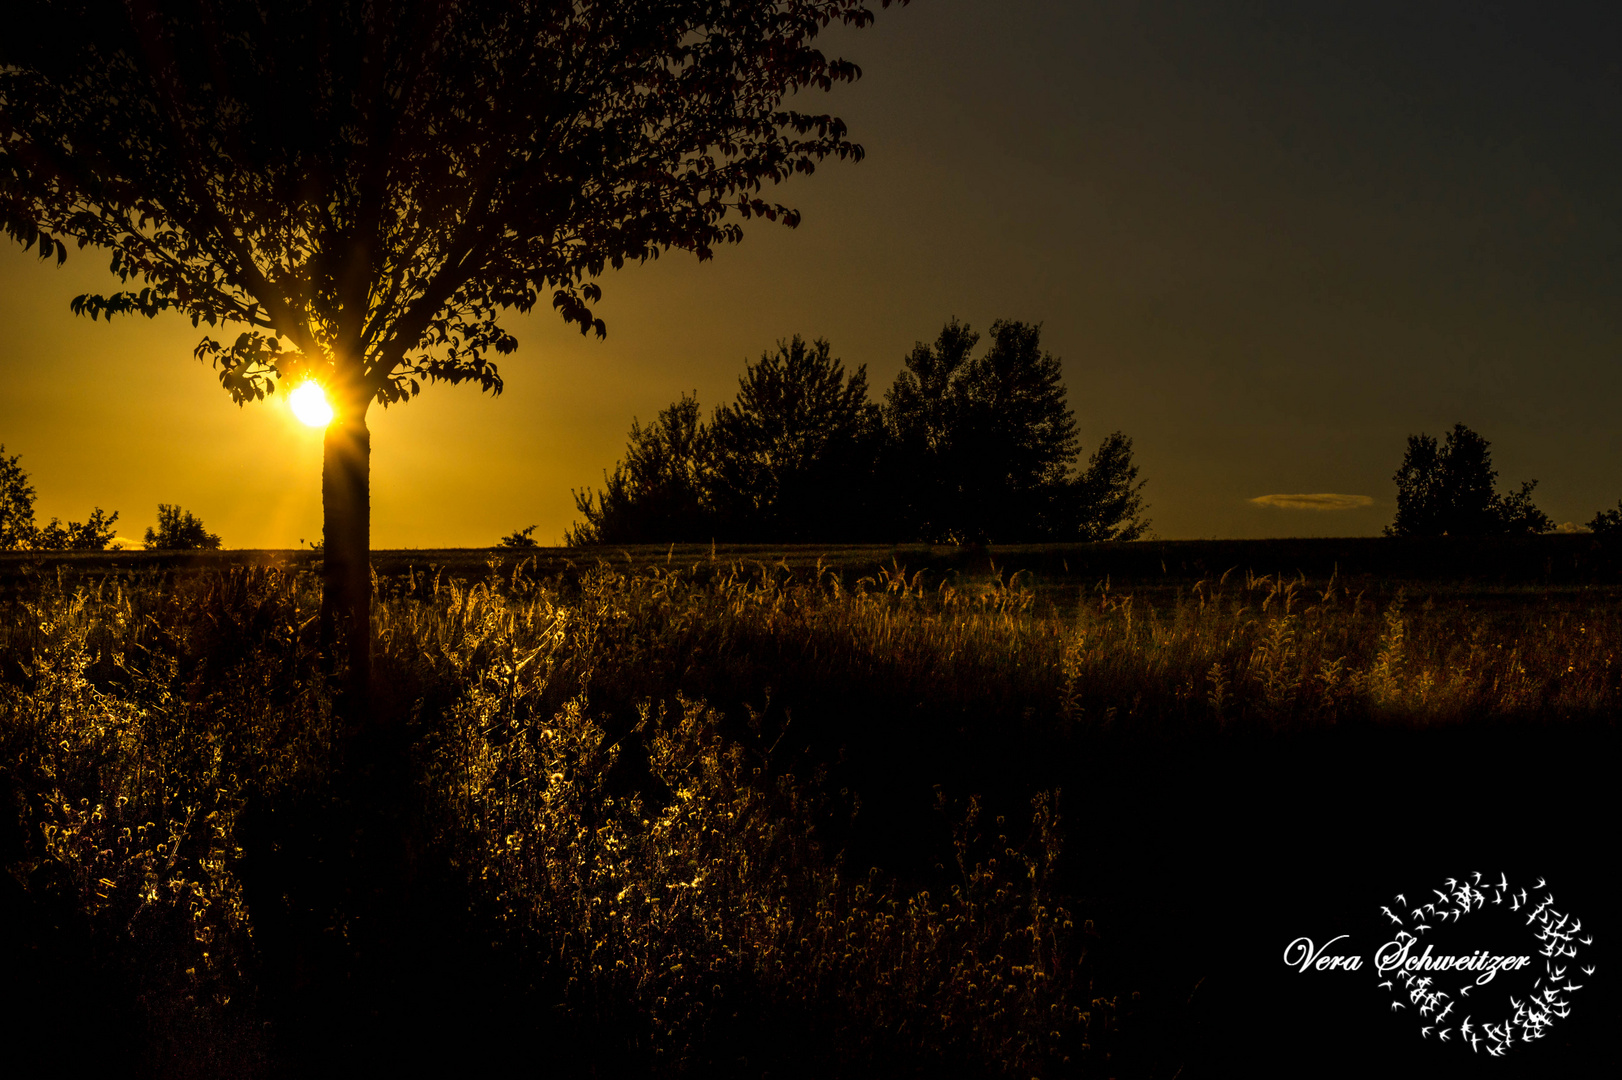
point(631, 786)
point(1256, 652)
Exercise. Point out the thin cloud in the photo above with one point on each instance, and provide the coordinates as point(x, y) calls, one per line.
point(1321, 501)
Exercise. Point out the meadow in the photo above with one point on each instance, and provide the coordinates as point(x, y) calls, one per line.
point(763, 812)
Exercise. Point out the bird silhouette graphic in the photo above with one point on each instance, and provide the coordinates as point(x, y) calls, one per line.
point(1553, 936)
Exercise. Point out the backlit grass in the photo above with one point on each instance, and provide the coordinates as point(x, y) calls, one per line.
point(627, 796)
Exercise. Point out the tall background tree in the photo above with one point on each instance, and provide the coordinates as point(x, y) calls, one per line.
point(987, 448)
point(793, 455)
point(1106, 501)
point(923, 411)
point(1015, 438)
point(362, 187)
point(660, 491)
point(790, 460)
point(16, 504)
point(1450, 489)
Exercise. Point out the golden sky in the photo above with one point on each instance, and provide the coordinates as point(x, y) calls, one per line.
point(1267, 245)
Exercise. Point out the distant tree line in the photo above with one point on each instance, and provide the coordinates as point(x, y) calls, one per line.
point(963, 448)
point(177, 529)
point(18, 531)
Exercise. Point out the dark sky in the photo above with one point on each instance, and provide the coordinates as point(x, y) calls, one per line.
point(1269, 241)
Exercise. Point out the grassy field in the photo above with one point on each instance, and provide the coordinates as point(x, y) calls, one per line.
point(823, 811)
point(1559, 560)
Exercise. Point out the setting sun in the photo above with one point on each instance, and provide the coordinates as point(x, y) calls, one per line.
point(309, 404)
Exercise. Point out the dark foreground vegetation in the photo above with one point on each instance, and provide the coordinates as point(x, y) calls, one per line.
point(661, 816)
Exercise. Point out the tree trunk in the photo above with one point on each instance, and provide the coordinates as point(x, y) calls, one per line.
point(346, 599)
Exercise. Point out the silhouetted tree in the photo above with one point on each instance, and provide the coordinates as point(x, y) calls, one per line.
point(522, 539)
point(1107, 497)
point(364, 186)
point(1518, 516)
point(1606, 523)
point(924, 410)
point(16, 504)
point(659, 492)
point(1449, 489)
point(792, 457)
point(17, 528)
point(92, 535)
point(987, 448)
point(179, 530)
point(1017, 438)
point(962, 449)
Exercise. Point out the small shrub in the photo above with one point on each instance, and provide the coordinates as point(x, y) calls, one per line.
point(522, 539)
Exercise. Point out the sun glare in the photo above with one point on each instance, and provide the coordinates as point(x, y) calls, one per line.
point(309, 404)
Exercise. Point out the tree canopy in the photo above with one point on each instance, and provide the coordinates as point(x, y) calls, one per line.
point(661, 490)
point(1449, 489)
point(964, 448)
point(793, 455)
point(1607, 523)
point(16, 503)
point(1106, 498)
point(790, 459)
point(179, 530)
point(363, 187)
point(990, 449)
point(923, 411)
